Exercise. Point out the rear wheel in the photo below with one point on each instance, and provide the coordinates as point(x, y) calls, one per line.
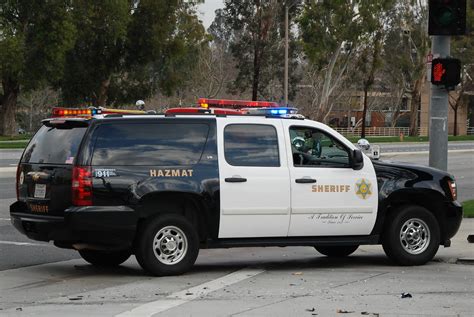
point(105, 258)
point(168, 245)
point(411, 236)
point(336, 251)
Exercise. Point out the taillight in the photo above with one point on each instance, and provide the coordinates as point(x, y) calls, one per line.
point(17, 185)
point(82, 186)
point(453, 188)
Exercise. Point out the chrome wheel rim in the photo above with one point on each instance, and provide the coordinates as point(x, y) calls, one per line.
point(170, 245)
point(415, 236)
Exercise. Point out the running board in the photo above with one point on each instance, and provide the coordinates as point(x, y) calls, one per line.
point(290, 241)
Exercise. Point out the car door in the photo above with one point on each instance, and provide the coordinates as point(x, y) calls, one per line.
point(328, 197)
point(254, 178)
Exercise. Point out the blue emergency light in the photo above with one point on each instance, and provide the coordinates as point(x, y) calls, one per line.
point(280, 111)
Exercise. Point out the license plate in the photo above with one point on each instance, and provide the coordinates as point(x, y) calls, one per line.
point(40, 190)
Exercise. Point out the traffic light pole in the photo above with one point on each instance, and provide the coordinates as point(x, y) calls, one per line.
point(439, 111)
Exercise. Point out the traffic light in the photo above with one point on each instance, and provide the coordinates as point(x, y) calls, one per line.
point(446, 72)
point(447, 17)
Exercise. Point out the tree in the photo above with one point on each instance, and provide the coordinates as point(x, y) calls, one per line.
point(405, 52)
point(462, 47)
point(34, 38)
point(254, 30)
point(333, 33)
point(98, 51)
point(127, 52)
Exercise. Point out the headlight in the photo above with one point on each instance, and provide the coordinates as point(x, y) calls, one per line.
point(453, 188)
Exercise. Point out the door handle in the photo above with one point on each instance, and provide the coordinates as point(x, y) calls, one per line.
point(235, 180)
point(305, 180)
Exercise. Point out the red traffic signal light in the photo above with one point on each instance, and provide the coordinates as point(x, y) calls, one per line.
point(447, 17)
point(446, 72)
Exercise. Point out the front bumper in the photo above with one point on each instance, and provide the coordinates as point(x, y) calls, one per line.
point(112, 226)
point(452, 220)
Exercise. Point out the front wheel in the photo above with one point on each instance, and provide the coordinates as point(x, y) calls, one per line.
point(105, 258)
point(411, 236)
point(168, 245)
point(336, 251)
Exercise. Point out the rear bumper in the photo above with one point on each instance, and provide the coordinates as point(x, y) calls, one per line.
point(113, 226)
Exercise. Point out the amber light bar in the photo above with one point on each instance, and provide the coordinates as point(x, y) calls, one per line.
point(74, 112)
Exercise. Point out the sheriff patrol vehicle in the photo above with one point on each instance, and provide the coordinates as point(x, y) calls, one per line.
point(226, 174)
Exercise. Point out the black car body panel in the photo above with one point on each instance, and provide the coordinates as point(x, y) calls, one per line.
point(404, 183)
point(125, 193)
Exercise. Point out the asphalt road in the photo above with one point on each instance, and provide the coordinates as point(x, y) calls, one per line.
point(39, 279)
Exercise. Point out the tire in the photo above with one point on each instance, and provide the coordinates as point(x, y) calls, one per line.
point(179, 243)
point(336, 251)
point(105, 258)
point(411, 236)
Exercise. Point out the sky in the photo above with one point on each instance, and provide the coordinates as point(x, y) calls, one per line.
point(206, 11)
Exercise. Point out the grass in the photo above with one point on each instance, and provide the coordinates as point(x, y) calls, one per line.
point(13, 145)
point(376, 139)
point(468, 208)
point(387, 139)
point(15, 137)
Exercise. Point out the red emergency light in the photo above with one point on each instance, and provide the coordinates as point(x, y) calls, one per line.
point(195, 110)
point(234, 104)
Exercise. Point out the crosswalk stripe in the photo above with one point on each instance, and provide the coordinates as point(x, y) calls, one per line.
point(179, 298)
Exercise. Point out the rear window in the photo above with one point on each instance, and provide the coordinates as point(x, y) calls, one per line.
point(163, 144)
point(54, 145)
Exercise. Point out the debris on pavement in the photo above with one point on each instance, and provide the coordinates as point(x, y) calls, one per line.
point(297, 273)
point(406, 295)
point(470, 238)
point(342, 311)
point(310, 309)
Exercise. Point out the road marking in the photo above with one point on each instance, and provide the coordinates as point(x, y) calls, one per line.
point(5, 219)
point(179, 298)
point(422, 152)
point(7, 169)
point(25, 243)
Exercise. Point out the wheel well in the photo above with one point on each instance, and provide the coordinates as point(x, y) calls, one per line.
point(428, 200)
point(186, 204)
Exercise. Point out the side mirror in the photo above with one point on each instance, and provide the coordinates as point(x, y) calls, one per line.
point(357, 160)
point(363, 144)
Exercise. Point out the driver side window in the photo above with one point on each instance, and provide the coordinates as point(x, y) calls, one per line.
point(314, 148)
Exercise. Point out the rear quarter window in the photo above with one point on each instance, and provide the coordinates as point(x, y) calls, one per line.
point(165, 144)
point(54, 145)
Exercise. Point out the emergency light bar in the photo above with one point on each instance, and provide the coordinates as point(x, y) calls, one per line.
point(234, 104)
point(191, 110)
point(74, 112)
point(89, 112)
point(280, 111)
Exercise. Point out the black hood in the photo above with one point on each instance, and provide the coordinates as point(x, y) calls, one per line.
point(416, 169)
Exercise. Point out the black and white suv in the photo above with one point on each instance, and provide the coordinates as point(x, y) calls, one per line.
point(163, 186)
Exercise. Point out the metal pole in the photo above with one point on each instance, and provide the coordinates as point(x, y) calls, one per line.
point(439, 111)
point(286, 55)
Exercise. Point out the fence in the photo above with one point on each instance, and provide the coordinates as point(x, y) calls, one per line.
point(470, 131)
point(381, 131)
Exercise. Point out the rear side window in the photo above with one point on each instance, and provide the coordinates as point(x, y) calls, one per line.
point(54, 145)
point(165, 144)
point(251, 145)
